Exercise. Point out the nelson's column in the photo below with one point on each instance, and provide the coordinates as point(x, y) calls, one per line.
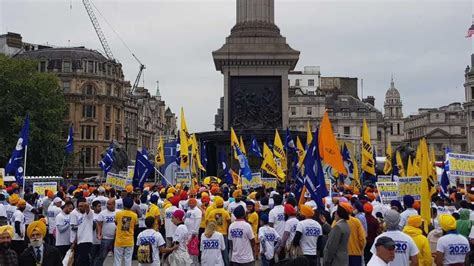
point(255, 61)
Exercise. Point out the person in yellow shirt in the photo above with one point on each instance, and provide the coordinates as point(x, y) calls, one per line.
point(357, 237)
point(412, 228)
point(126, 221)
point(252, 219)
point(204, 206)
point(154, 211)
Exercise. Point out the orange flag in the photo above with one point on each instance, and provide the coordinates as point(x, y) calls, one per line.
point(328, 148)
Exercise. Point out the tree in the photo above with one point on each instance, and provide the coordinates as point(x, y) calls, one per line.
point(25, 90)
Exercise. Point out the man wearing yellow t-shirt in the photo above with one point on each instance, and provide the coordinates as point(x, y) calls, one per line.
point(154, 211)
point(252, 219)
point(222, 219)
point(126, 221)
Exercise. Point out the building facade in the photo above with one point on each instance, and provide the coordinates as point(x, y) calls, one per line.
point(443, 128)
point(469, 104)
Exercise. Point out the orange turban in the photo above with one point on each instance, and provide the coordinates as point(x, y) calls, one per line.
point(129, 188)
point(306, 211)
point(346, 206)
point(13, 199)
point(40, 226)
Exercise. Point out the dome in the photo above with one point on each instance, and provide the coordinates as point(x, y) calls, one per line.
point(74, 53)
point(392, 92)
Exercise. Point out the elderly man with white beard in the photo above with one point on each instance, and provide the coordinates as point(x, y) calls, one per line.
point(39, 253)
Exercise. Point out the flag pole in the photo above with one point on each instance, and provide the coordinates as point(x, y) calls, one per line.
point(24, 168)
point(162, 176)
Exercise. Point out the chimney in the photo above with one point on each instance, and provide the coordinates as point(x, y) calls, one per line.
point(370, 100)
point(14, 40)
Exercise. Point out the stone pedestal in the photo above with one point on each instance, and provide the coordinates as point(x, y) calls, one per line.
point(255, 61)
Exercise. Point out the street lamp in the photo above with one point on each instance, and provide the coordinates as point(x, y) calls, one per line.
point(410, 135)
point(127, 130)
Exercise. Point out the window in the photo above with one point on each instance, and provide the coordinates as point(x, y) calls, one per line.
point(463, 131)
point(297, 82)
point(117, 114)
point(463, 147)
point(66, 86)
point(88, 111)
point(472, 93)
point(391, 129)
point(107, 113)
point(398, 129)
point(89, 157)
point(293, 110)
point(107, 133)
point(88, 132)
point(379, 135)
point(347, 130)
point(90, 66)
point(311, 82)
point(109, 89)
point(117, 133)
point(67, 66)
point(66, 112)
point(472, 115)
point(309, 110)
point(89, 89)
point(438, 146)
point(117, 92)
point(42, 66)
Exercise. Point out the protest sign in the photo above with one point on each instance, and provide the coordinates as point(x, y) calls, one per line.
point(388, 191)
point(269, 182)
point(384, 178)
point(118, 181)
point(130, 171)
point(409, 185)
point(183, 177)
point(40, 187)
point(461, 165)
point(255, 182)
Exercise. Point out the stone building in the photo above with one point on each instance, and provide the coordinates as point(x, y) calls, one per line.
point(469, 104)
point(442, 127)
point(393, 115)
point(100, 106)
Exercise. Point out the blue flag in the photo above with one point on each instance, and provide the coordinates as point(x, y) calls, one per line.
point(290, 146)
point(145, 152)
point(204, 155)
point(178, 150)
point(444, 177)
point(15, 164)
point(70, 141)
point(395, 171)
point(244, 164)
point(314, 175)
point(255, 149)
point(228, 176)
point(143, 169)
point(108, 160)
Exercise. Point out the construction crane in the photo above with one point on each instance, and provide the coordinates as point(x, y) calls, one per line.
point(98, 30)
point(105, 45)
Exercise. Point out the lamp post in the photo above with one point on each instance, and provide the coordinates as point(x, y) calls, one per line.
point(410, 135)
point(127, 130)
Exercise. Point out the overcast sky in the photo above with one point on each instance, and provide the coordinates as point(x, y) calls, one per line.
point(421, 42)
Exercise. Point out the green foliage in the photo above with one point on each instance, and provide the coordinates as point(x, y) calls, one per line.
point(25, 90)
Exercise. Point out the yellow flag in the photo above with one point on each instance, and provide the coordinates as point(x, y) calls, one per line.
point(388, 159)
point(160, 153)
point(427, 185)
point(328, 148)
point(242, 146)
point(196, 155)
point(300, 150)
point(184, 142)
point(309, 135)
point(410, 168)
point(269, 164)
point(234, 141)
point(279, 151)
point(368, 164)
point(355, 176)
point(400, 166)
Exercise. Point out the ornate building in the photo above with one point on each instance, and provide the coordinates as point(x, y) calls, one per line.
point(469, 104)
point(393, 115)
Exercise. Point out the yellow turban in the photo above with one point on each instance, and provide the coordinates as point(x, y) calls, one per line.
point(306, 211)
point(40, 226)
point(20, 202)
point(447, 222)
point(237, 193)
point(415, 221)
point(253, 195)
point(171, 190)
point(204, 194)
point(13, 199)
point(169, 196)
point(8, 229)
point(219, 201)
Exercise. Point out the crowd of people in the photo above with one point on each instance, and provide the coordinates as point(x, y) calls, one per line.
point(226, 225)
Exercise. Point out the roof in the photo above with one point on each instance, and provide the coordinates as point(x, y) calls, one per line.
point(338, 103)
point(61, 53)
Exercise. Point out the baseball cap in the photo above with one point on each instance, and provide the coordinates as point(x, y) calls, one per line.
point(385, 241)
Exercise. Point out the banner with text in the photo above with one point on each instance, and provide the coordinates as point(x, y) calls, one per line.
point(40, 187)
point(409, 185)
point(269, 182)
point(384, 178)
point(118, 181)
point(388, 191)
point(461, 165)
point(183, 177)
point(255, 182)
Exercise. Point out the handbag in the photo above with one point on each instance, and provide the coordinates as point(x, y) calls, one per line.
point(69, 258)
point(193, 246)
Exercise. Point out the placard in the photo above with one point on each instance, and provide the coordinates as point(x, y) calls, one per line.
point(254, 183)
point(384, 178)
point(409, 185)
point(183, 177)
point(118, 181)
point(40, 187)
point(388, 191)
point(269, 182)
point(130, 171)
point(461, 165)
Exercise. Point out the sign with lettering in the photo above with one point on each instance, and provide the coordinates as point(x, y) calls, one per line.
point(461, 165)
point(384, 178)
point(40, 187)
point(388, 191)
point(183, 177)
point(269, 182)
point(410, 185)
point(255, 182)
point(118, 181)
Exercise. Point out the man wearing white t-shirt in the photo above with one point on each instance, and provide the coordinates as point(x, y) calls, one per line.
point(53, 211)
point(237, 195)
point(452, 248)
point(18, 241)
point(63, 229)
point(82, 223)
point(385, 252)
point(241, 240)
point(307, 233)
point(95, 250)
point(3, 211)
point(409, 210)
point(102, 198)
point(106, 231)
point(193, 217)
point(290, 227)
point(276, 217)
point(406, 250)
point(151, 237)
point(170, 227)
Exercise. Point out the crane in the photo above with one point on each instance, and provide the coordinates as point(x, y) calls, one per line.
point(98, 30)
point(105, 45)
